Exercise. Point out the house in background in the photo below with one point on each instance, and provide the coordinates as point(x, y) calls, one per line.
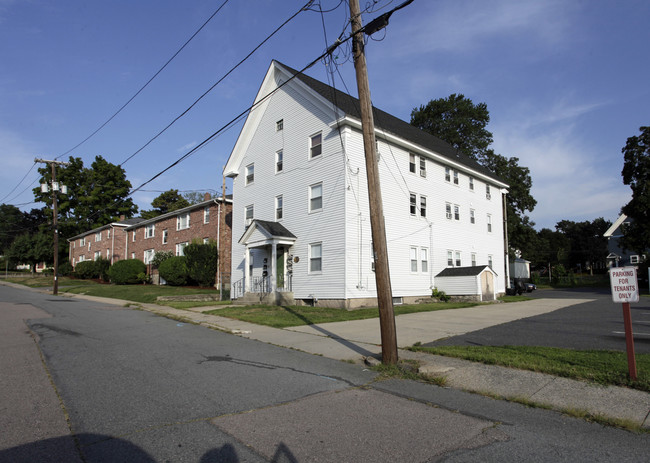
point(619, 257)
point(141, 239)
point(301, 215)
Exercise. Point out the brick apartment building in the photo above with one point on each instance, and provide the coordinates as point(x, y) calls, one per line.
point(141, 239)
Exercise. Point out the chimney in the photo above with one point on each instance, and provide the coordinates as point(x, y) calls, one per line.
point(206, 196)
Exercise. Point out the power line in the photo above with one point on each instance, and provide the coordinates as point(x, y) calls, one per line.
point(17, 185)
point(146, 84)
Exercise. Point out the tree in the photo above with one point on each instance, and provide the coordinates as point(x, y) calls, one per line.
point(11, 224)
point(194, 197)
point(167, 201)
point(202, 262)
point(96, 196)
point(587, 244)
point(32, 249)
point(636, 174)
point(458, 121)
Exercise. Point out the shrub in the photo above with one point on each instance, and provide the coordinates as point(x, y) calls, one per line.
point(202, 262)
point(440, 295)
point(85, 270)
point(66, 269)
point(174, 270)
point(125, 272)
point(160, 257)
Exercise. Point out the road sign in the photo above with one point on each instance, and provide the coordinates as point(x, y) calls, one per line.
point(625, 286)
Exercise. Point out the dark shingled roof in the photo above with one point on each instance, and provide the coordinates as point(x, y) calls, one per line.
point(462, 271)
point(274, 228)
point(392, 124)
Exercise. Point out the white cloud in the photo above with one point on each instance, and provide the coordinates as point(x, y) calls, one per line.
point(187, 147)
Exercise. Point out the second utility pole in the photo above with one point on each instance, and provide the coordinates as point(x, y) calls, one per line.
point(382, 274)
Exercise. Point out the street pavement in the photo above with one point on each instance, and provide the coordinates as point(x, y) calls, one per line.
point(132, 386)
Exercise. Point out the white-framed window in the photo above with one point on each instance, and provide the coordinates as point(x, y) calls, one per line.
point(89, 245)
point(447, 174)
point(471, 183)
point(82, 241)
point(473, 259)
point(98, 236)
point(248, 214)
point(108, 234)
point(149, 231)
point(424, 260)
point(456, 212)
point(108, 253)
point(180, 248)
point(133, 255)
point(458, 261)
point(489, 223)
point(183, 221)
point(315, 145)
point(206, 240)
point(488, 195)
point(316, 197)
point(315, 257)
point(165, 236)
point(414, 259)
point(133, 236)
point(250, 174)
point(206, 214)
point(278, 208)
point(635, 259)
point(448, 211)
point(412, 165)
point(490, 261)
point(450, 258)
point(455, 177)
point(279, 125)
point(423, 166)
point(472, 216)
point(279, 157)
point(423, 206)
point(148, 256)
point(413, 203)
point(82, 258)
point(98, 255)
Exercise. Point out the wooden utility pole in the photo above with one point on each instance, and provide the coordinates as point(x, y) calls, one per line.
point(382, 274)
point(55, 189)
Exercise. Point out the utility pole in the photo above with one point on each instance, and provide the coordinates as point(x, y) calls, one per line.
point(382, 274)
point(55, 188)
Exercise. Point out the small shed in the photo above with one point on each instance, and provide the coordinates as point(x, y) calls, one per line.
point(520, 269)
point(477, 282)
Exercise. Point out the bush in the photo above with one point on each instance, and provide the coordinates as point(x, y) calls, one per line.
point(202, 262)
point(66, 269)
point(174, 270)
point(440, 295)
point(160, 257)
point(101, 268)
point(125, 272)
point(85, 270)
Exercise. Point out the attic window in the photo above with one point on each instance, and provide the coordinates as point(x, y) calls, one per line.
point(250, 174)
point(315, 145)
point(279, 125)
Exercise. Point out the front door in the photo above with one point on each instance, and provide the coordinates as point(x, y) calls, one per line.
point(487, 286)
point(279, 268)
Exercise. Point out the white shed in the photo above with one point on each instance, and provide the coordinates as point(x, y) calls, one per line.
point(478, 282)
point(520, 268)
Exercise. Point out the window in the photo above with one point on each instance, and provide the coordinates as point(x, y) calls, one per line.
point(98, 236)
point(473, 259)
point(455, 177)
point(456, 212)
point(423, 166)
point(490, 261)
point(132, 236)
point(414, 260)
point(450, 258)
point(108, 234)
point(82, 258)
point(424, 260)
point(278, 207)
point(316, 197)
point(634, 259)
point(108, 253)
point(458, 263)
point(487, 192)
point(148, 256)
point(489, 223)
point(279, 125)
point(413, 203)
point(412, 163)
point(279, 155)
point(183, 221)
point(315, 258)
point(472, 216)
point(448, 211)
point(447, 174)
point(98, 255)
point(149, 231)
point(206, 214)
point(250, 174)
point(423, 206)
point(133, 255)
point(180, 248)
point(89, 245)
point(248, 214)
point(165, 236)
point(471, 183)
point(82, 241)
point(206, 240)
point(315, 145)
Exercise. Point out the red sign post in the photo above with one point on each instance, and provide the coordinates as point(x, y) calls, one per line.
point(625, 289)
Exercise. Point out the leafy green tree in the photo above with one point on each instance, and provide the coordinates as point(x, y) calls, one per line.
point(168, 201)
point(32, 249)
point(194, 197)
point(588, 246)
point(636, 174)
point(202, 262)
point(96, 195)
point(11, 225)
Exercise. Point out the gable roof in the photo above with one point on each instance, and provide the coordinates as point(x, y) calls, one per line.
point(272, 230)
point(349, 105)
point(611, 230)
point(464, 271)
point(122, 223)
point(190, 208)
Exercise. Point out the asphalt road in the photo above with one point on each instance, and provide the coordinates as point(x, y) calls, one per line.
point(592, 325)
point(94, 382)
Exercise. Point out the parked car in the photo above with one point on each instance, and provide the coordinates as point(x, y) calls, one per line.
point(530, 287)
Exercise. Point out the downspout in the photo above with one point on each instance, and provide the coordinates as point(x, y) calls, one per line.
point(430, 257)
point(126, 244)
point(112, 243)
point(505, 238)
point(218, 245)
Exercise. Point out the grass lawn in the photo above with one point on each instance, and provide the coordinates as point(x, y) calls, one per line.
point(282, 317)
point(137, 293)
point(600, 366)
point(39, 281)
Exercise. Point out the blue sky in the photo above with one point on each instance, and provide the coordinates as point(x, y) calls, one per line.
point(566, 82)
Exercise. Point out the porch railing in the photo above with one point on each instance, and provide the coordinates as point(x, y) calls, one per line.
point(261, 285)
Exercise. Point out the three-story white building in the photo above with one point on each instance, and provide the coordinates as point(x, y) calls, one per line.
point(301, 226)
